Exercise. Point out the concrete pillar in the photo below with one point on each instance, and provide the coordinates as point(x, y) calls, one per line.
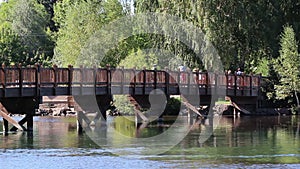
point(79, 122)
point(102, 115)
point(29, 118)
point(190, 117)
point(211, 121)
point(138, 120)
point(30, 140)
point(5, 126)
point(103, 104)
point(79, 127)
point(234, 112)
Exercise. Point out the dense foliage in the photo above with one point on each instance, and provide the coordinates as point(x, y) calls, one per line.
point(243, 31)
point(78, 21)
point(24, 37)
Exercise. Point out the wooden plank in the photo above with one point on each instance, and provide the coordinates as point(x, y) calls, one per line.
point(4, 113)
point(140, 128)
point(137, 108)
point(139, 113)
point(190, 106)
point(240, 108)
point(82, 116)
point(10, 120)
point(23, 121)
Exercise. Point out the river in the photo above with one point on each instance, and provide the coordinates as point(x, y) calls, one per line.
point(240, 142)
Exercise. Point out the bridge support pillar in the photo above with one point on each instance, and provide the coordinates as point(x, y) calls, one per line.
point(79, 126)
point(137, 119)
point(103, 104)
point(190, 117)
point(5, 126)
point(211, 124)
point(29, 118)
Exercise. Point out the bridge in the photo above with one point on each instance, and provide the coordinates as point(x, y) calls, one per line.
point(21, 88)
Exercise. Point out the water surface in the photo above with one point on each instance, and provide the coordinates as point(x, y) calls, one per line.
point(246, 142)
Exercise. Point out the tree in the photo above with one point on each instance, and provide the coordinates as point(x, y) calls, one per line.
point(181, 9)
point(11, 48)
point(243, 32)
point(10, 44)
point(24, 37)
point(78, 20)
point(48, 5)
point(145, 59)
point(288, 67)
point(6, 13)
point(30, 23)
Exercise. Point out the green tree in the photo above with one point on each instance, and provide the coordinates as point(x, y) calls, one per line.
point(123, 104)
point(11, 48)
point(243, 32)
point(181, 9)
point(6, 13)
point(24, 37)
point(78, 20)
point(30, 23)
point(173, 107)
point(288, 67)
point(139, 60)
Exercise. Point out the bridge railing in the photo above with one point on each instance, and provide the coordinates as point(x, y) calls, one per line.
point(38, 77)
point(17, 77)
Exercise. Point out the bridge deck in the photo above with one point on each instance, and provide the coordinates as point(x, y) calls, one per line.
point(38, 81)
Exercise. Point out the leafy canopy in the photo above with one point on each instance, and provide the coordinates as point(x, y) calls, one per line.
point(78, 21)
point(24, 35)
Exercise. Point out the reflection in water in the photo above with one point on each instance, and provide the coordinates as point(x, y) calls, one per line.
point(48, 132)
point(127, 127)
point(249, 140)
point(252, 141)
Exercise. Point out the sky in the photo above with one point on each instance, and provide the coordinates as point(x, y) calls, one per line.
point(131, 2)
